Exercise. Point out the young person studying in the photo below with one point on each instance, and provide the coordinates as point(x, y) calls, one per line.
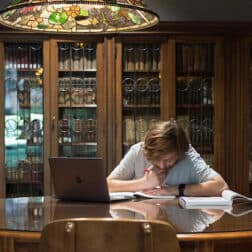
point(166, 164)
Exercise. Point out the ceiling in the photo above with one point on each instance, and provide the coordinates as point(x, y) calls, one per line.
point(202, 10)
point(196, 10)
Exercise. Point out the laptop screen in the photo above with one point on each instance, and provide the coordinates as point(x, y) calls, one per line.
point(79, 179)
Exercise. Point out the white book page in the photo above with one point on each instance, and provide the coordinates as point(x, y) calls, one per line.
point(204, 201)
point(129, 195)
point(231, 195)
point(153, 196)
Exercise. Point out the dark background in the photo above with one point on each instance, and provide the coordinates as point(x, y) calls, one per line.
point(202, 10)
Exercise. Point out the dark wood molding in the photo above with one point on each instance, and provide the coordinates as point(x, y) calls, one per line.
point(236, 84)
point(201, 27)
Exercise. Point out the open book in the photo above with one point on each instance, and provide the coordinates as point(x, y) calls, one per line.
point(228, 196)
point(153, 196)
point(133, 195)
point(239, 209)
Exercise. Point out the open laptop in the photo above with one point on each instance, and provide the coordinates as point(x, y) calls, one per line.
point(81, 179)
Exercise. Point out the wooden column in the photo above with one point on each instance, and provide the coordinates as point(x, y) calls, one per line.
point(236, 139)
point(110, 87)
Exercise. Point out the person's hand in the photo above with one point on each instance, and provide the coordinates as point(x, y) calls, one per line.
point(165, 191)
point(154, 177)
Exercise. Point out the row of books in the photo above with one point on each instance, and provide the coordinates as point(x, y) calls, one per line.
point(136, 99)
point(28, 56)
point(141, 84)
point(77, 131)
point(135, 128)
point(77, 91)
point(25, 172)
point(193, 58)
point(141, 58)
point(77, 138)
point(78, 150)
point(77, 96)
point(199, 128)
point(194, 90)
point(66, 82)
point(141, 91)
point(77, 58)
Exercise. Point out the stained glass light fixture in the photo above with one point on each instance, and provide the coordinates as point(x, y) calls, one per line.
point(76, 16)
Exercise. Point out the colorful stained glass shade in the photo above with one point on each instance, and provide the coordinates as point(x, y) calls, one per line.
point(77, 16)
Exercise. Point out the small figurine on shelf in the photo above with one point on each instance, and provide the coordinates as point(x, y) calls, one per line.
point(64, 131)
point(36, 128)
point(24, 170)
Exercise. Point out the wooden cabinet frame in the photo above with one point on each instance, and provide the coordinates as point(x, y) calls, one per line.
point(236, 54)
point(2, 147)
point(101, 97)
point(219, 90)
point(230, 85)
point(168, 90)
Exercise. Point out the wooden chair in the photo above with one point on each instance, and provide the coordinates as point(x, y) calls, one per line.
point(108, 235)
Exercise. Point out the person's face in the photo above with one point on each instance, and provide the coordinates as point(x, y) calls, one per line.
point(167, 161)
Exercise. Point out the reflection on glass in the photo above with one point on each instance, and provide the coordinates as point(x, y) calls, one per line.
point(141, 84)
point(195, 95)
point(77, 125)
point(24, 213)
point(184, 220)
point(23, 119)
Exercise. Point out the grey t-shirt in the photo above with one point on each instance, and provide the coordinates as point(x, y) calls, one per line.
point(191, 169)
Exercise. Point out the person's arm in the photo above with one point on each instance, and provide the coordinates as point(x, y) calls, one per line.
point(212, 187)
point(150, 180)
point(118, 185)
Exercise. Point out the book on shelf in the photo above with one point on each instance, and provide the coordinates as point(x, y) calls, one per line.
point(223, 202)
point(140, 194)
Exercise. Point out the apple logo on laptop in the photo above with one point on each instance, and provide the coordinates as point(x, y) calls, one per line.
point(78, 180)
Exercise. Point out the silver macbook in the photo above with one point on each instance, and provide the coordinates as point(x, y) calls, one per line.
point(81, 179)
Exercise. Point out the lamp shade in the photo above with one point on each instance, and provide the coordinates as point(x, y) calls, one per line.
point(76, 16)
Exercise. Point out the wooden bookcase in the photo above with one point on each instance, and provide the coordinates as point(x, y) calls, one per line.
point(188, 64)
point(212, 65)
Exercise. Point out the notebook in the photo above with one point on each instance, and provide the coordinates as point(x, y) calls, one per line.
point(81, 179)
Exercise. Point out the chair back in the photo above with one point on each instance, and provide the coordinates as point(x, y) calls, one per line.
point(108, 235)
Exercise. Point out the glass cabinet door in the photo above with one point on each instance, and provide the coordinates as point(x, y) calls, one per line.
point(195, 94)
point(23, 119)
point(140, 91)
point(77, 120)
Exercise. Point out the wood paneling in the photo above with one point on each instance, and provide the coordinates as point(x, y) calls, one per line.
point(236, 146)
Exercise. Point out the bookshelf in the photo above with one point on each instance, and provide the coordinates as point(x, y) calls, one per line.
point(139, 91)
point(77, 122)
point(24, 119)
point(114, 87)
point(195, 94)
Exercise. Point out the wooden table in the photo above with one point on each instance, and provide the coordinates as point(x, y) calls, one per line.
point(22, 219)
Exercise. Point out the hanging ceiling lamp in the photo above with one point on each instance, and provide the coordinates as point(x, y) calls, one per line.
point(76, 16)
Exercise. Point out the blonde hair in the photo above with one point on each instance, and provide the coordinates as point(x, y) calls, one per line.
point(163, 138)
